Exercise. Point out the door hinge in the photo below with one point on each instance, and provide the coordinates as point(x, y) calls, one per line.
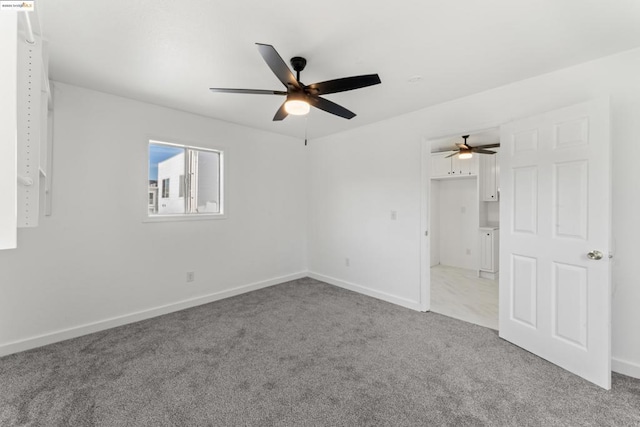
point(426, 233)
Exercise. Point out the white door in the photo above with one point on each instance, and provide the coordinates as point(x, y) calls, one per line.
point(555, 221)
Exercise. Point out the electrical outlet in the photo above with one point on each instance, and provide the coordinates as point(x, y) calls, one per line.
point(468, 251)
point(191, 276)
point(463, 209)
point(347, 262)
point(394, 215)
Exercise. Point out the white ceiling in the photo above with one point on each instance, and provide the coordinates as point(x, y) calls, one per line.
point(170, 52)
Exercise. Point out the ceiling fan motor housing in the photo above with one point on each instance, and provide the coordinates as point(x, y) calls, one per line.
point(298, 63)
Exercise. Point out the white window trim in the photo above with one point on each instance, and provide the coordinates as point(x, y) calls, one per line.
point(223, 153)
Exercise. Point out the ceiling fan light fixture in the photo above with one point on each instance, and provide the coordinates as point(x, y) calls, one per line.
point(297, 107)
point(465, 155)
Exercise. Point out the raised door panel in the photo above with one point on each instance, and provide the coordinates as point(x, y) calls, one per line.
point(571, 191)
point(524, 290)
point(525, 199)
point(570, 304)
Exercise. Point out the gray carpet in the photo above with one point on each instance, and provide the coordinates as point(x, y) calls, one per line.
point(302, 353)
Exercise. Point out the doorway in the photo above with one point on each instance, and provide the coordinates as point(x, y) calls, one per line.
point(464, 224)
point(554, 273)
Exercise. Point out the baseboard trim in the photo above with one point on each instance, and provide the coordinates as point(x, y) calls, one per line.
point(101, 325)
point(625, 367)
point(413, 305)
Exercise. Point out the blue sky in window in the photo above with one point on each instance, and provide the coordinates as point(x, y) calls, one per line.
point(157, 154)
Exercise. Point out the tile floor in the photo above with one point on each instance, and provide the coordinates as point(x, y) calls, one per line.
point(461, 294)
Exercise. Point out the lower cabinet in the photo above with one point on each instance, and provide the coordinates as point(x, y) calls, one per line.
point(489, 251)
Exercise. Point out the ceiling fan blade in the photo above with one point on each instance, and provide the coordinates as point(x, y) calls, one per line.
point(330, 107)
point(444, 150)
point(344, 84)
point(481, 151)
point(451, 155)
point(277, 65)
point(248, 91)
point(490, 145)
point(281, 114)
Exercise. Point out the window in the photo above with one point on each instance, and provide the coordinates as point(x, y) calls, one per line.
point(190, 180)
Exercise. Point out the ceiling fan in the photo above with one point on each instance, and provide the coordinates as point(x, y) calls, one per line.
point(465, 151)
point(300, 96)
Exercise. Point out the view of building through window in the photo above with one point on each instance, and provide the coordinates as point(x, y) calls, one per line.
point(183, 180)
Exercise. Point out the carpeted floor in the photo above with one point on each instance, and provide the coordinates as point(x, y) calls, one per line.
point(302, 353)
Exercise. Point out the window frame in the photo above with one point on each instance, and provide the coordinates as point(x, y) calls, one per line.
point(222, 214)
point(166, 188)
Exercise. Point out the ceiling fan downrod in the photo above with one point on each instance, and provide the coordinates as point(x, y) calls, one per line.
point(298, 63)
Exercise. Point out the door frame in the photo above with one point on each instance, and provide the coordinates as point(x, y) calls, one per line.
point(425, 172)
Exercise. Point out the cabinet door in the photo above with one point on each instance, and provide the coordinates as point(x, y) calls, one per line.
point(440, 164)
point(488, 173)
point(470, 166)
point(486, 250)
point(461, 167)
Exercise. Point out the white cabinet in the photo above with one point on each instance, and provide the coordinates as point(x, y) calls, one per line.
point(446, 167)
point(440, 165)
point(464, 166)
point(489, 251)
point(489, 177)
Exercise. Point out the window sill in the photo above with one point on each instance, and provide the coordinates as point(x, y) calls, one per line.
point(191, 217)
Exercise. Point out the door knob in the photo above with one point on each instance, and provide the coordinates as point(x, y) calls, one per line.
point(595, 255)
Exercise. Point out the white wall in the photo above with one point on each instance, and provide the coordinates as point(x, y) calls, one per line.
point(357, 177)
point(458, 227)
point(8, 130)
point(94, 259)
